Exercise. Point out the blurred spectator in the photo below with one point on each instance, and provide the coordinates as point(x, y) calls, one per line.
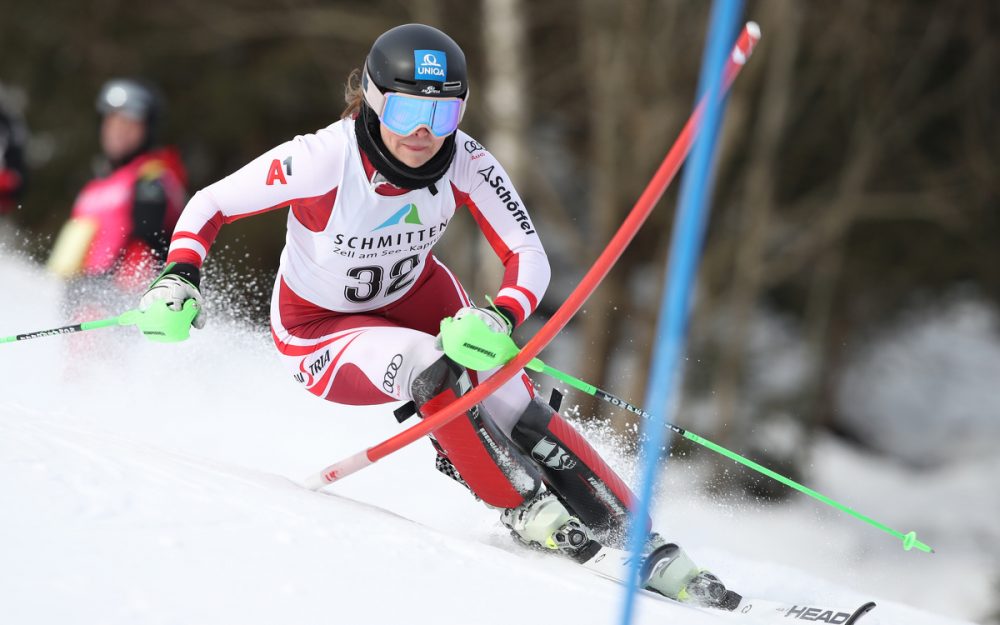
point(13, 140)
point(121, 220)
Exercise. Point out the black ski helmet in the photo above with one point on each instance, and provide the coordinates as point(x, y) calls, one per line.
point(418, 60)
point(134, 98)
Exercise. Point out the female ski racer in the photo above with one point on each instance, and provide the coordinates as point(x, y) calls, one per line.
point(359, 295)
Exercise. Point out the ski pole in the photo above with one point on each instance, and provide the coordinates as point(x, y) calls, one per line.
point(909, 540)
point(158, 323)
point(79, 327)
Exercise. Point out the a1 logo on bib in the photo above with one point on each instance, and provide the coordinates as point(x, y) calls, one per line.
point(430, 65)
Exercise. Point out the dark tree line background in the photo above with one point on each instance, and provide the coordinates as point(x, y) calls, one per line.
point(858, 167)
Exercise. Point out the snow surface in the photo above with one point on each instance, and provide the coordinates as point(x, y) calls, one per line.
point(144, 483)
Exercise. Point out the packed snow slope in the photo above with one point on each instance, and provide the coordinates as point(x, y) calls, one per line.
point(144, 483)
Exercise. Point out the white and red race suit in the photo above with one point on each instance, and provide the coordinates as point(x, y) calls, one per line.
point(359, 296)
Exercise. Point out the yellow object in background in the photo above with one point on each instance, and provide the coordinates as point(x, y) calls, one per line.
point(71, 247)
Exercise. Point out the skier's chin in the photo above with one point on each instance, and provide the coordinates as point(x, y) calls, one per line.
point(413, 150)
point(415, 155)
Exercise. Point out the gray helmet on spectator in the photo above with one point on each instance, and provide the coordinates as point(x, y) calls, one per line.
point(136, 99)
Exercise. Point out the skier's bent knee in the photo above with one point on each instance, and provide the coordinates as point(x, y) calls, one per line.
point(478, 454)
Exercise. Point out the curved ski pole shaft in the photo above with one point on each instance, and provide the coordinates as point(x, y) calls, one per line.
point(909, 540)
point(123, 319)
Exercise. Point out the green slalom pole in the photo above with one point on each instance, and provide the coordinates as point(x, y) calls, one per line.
point(909, 540)
point(158, 323)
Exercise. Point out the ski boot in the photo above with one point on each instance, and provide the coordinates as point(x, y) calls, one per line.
point(670, 572)
point(544, 522)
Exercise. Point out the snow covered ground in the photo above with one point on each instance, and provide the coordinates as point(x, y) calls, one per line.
point(144, 483)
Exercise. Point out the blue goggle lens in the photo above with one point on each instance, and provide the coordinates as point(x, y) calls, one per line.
point(403, 114)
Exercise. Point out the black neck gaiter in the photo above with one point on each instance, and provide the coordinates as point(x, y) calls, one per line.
point(366, 127)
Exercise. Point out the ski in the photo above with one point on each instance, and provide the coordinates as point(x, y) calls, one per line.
point(613, 564)
point(783, 612)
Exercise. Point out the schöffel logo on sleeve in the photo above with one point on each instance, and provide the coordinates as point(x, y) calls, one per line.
point(430, 65)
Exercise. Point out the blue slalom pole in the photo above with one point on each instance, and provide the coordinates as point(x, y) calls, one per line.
point(685, 249)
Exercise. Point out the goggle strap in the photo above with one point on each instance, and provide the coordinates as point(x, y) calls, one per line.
point(374, 97)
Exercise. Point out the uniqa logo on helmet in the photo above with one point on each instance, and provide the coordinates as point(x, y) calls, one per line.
point(430, 65)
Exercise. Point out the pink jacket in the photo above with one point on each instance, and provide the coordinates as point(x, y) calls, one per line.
point(108, 202)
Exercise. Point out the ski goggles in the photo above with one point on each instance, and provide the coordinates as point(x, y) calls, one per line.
point(403, 114)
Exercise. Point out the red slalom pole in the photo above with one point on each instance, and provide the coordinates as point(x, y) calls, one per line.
point(745, 44)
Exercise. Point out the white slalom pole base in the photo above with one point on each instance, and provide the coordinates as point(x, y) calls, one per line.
point(337, 470)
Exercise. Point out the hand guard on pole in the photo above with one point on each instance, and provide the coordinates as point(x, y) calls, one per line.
point(172, 304)
point(477, 338)
point(176, 285)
